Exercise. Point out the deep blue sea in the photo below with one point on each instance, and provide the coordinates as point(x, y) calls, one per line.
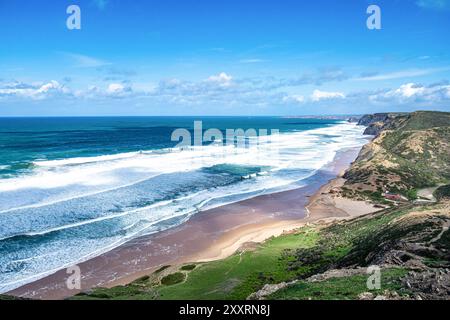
point(74, 188)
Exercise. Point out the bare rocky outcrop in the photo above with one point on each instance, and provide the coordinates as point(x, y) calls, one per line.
point(269, 289)
point(378, 122)
point(387, 295)
point(430, 284)
point(337, 273)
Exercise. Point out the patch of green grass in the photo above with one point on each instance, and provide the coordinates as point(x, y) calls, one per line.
point(188, 267)
point(143, 279)
point(129, 292)
point(344, 288)
point(421, 120)
point(6, 297)
point(241, 274)
point(173, 278)
point(411, 194)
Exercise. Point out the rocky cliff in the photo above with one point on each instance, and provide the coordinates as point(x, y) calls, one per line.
point(409, 152)
point(378, 122)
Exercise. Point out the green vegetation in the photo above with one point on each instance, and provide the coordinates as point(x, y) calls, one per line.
point(188, 267)
point(6, 297)
point(309, 251)
point(344, 288)
point(173, 278)
point(423, 120)
point(233, 278)
point(241, 274)
point(411, 152)
point(411, 194)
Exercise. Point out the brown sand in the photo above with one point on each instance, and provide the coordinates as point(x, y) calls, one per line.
point(212, 234)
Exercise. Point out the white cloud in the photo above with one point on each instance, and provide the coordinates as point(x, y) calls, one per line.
point(220, 87)
point(115, 88)
point(52, 85)
point(34, 91)
point(408, 90)
point(223, 90)
point(247, 61)
point(119, 90)
point(54, 89)
point(84, 61)
point(222, 79)
point(412, 92)
point(294, 98)
point(402, 74)
point(318, 95)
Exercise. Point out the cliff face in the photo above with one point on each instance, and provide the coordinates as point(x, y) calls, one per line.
point(409, 152)
point(410, 244)
point(372, 118)
point(378, 122)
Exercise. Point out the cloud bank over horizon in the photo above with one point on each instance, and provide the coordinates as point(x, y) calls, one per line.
point(276, 96)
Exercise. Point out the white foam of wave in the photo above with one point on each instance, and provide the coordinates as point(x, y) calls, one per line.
point(78, 196)
point(239, 192)
point(78, 177)
point(84, 160)
point(11, 285)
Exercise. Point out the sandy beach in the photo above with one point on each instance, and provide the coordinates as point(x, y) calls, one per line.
point(212, 234)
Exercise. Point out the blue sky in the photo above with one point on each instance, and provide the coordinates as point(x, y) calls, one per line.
point(205, 57)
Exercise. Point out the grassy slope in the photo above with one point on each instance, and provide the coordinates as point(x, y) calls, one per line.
point(412, 153)
point(233, 278)
point(345, 288)
point(309, 251)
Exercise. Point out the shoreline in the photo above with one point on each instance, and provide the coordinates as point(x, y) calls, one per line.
point(212, 234)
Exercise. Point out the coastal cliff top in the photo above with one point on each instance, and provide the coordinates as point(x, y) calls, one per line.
point(409, 152)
